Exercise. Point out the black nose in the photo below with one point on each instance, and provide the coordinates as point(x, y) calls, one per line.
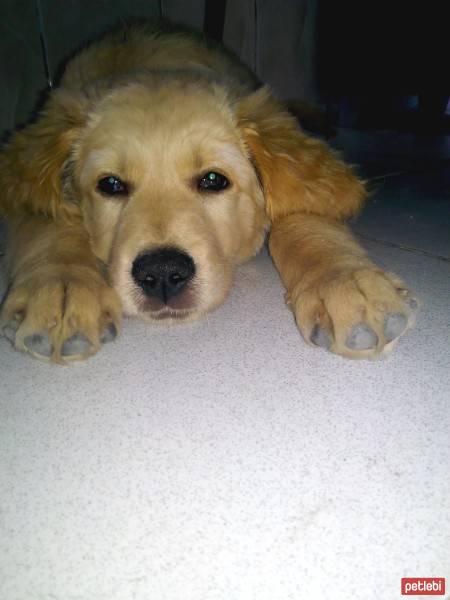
point(163, 273)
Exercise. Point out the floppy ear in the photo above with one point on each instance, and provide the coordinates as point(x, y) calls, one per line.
point(32, 162)
point(298, 173)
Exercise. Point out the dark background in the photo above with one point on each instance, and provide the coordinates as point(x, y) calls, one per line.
point(367, 64)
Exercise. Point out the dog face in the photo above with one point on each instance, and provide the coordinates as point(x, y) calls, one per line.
point(168, 195)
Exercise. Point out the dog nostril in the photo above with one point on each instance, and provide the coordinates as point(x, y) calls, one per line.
point(176, 278)
point(144, 277)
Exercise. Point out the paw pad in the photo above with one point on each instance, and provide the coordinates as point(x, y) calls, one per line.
point(412, 303)
point(362, 337)
point(109, 334)
point(394, 325)
point(10, 330)
point(39, 344)
point(320, 337)
point(77, 344)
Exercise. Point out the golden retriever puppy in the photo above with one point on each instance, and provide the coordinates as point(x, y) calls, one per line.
point(155, 168)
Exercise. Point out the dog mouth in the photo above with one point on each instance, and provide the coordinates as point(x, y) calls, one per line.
point(182, 307)
point(179, 309)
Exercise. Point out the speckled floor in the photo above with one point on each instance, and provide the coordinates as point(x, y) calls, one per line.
point(227, 460)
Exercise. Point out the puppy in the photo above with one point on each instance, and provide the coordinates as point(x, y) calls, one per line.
point(155, 168)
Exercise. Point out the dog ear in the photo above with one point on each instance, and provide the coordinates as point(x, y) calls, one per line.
point(298, 173)
point(33, 161)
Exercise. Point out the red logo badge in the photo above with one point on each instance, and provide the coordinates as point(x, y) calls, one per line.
point(423, 586)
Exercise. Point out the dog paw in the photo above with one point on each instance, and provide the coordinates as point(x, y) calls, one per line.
point(61, 320)
point(358, 313)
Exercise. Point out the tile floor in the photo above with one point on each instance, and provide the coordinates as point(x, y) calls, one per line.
point(228, 461)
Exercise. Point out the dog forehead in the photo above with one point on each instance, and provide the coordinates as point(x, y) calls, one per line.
point(137, 124)
point(164, 106)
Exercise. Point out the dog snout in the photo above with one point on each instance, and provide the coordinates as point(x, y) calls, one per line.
point(163, 273)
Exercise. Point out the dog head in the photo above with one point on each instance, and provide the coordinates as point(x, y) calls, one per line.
point(160, 176)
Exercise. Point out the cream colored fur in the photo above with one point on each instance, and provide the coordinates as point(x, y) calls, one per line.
point(159, 110)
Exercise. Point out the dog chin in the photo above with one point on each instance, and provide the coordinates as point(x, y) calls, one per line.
point(168, 316)
point(180, 309)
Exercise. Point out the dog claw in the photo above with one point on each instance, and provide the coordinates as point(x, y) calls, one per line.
point(75, 345)
point(362, 337)
point(38, 344)
point(394, 325)
point(109, 334)
point(320, 337)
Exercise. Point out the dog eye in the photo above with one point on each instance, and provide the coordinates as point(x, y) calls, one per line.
point(112, 186)
point(212, 182)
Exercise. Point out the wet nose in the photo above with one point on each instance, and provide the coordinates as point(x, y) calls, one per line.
point(163, 273)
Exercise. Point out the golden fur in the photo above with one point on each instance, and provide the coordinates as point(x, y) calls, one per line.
point(159, 108)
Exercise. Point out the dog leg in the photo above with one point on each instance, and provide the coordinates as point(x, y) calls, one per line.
point(59, 306)
point(340, 299)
